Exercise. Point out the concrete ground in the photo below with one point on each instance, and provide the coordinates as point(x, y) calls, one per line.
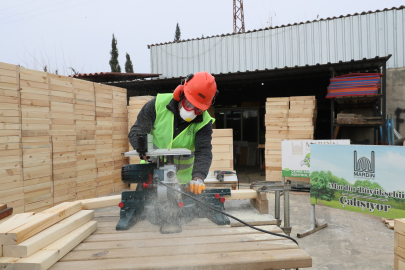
point(351, 240)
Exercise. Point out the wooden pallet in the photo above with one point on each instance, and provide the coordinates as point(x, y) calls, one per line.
point(201, 245)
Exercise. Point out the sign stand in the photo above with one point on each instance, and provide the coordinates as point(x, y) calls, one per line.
point(314, 224)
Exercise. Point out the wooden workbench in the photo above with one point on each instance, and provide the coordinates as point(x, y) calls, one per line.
point(201, 245)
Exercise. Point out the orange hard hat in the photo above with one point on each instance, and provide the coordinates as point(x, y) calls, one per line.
point(200, 90)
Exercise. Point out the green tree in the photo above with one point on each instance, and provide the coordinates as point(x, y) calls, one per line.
point(177, 34)
point(129, 68)
point(115, 66)
point(320, 187)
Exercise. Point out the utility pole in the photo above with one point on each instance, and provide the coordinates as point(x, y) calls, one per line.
point(238, 17)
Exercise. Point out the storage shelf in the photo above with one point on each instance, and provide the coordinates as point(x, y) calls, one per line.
point(358, 125)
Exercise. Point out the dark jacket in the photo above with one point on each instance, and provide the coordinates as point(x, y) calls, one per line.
point(203, 148)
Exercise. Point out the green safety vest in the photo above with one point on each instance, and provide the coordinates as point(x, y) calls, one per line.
point(162, 132)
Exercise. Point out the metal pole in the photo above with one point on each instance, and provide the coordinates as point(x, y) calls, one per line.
point(384, 102)
point(277, 207)
point(287, 212)
point(332, 112)
point(313, 220)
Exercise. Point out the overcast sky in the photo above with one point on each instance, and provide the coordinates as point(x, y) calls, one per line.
point(78, 33)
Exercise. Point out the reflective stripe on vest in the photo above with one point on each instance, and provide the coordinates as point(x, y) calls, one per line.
point(163, 136)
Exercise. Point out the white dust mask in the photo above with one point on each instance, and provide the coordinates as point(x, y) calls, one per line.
point(187, 115)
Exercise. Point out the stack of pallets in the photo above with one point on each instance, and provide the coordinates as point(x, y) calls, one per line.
point(104, 117)
point(120, 134)
point(276, 131)
point(63, 137)
point(222, 150)
point(301, 118)
point(135, 106)
point(85, 138)
point(11, 179)
point(36, 141)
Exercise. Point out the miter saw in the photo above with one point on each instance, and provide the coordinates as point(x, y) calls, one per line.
point(159, 196)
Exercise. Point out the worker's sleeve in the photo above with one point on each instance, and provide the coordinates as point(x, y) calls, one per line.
point(203, 151)
point(144, 122)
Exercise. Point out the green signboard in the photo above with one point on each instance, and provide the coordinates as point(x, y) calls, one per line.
point(359, 178)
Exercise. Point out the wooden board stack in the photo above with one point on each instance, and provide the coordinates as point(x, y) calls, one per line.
point(399, 244)
point(85, 138)
point(276, 131)
point(135, 106)
point(105, 162)
point(48, 138)
point(301, 118)
point(120, 134)
point(37, 241)
point(64, 158)
point(36, 140)
point(222, 150)
point(287, 118)
point(11, 178)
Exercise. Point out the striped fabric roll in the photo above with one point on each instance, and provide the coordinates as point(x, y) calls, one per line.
point(354, 84)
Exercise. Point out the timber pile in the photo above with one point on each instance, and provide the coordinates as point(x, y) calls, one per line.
point(302, 118)
point(37, 241)
point(104, 139)
point(135, 106)
point(120, 134)
point(222, 150)
point(276, 131)
point(85, 139)
point(53, 146)
point(11, 178)
point(399, 244)
point(388, 222)
point(287, 118)
point(351, 118)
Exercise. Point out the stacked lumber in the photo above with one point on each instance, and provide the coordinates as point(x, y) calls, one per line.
point(105, 161)
point(135, 106)
point(85, 138)
point(11, 178)
point(287, 118)
point(276, 131)
point(120, 134)
point(36, 140)
point(301, 118)
point(64, 158)
point(48, 138)
point(222, 150)
point(399, 244)
point(37, 241)
point(351, 118)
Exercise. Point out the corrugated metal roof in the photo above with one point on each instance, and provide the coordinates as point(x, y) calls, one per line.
point(267, 28)
point(113, 76)
point(342, 39)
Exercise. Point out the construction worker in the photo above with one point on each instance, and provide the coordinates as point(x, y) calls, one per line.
point(181, 120)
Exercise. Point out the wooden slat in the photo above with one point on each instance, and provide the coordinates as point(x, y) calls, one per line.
point(39, 223)
point(48, 236)
point(50, 254)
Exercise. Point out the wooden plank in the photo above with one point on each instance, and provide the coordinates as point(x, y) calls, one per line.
point(183, 249)
point(48, 236)
point(50, 254)
point(222, 140)
point(6, 212)
point(101, 202)
point(3, 206)
point(202, 232)
point(279, 259)
point(39, 223)
point(399, 226)
point(222, 132)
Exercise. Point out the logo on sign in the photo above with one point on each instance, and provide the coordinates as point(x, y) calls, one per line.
point(297, 149)
point(364, 167)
